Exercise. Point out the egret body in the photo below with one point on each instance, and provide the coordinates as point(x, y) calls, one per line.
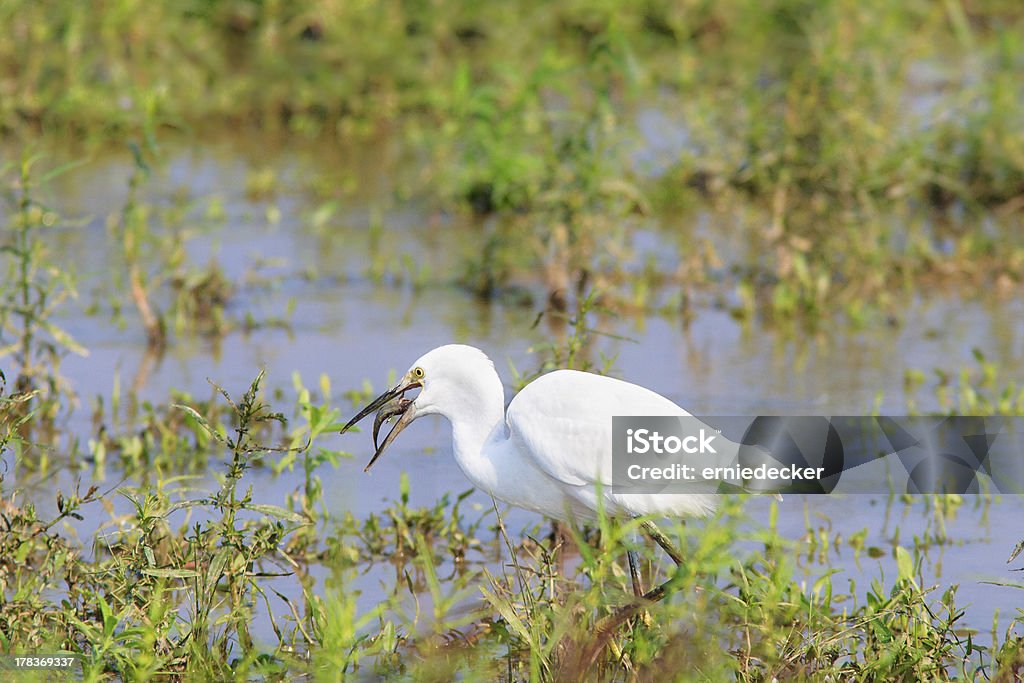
point(550, 452)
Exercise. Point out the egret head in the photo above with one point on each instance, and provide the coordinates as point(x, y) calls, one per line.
point(452, 379)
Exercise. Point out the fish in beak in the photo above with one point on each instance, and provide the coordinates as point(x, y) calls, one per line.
point(396, 406)
point(389, 404)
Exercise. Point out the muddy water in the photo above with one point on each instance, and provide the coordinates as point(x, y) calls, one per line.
point(353, 326)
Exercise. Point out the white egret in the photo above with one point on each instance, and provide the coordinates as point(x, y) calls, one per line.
point(550, 452)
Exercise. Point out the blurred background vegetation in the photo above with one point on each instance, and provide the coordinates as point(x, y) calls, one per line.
point(870, 135)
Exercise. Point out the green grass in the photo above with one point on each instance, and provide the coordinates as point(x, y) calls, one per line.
point(174, 588)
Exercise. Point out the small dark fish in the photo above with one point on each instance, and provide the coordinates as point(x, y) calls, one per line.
point(388, 411)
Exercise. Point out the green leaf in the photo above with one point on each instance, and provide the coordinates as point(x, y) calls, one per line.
point(216, 568)
point(64, 339)
point(429, 573)
point(61, 170)
point(202, 422)
point(278, 512)
point(109, 620)
point(905, 563)
point(169, 573)
point(507, 613)
point(1016, 551)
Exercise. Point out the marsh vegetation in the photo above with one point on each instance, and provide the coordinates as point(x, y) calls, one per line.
point(225, 222)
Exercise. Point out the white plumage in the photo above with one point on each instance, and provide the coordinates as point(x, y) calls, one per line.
point(551, 452)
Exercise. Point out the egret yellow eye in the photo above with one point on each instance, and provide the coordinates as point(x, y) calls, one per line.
point(417, 373)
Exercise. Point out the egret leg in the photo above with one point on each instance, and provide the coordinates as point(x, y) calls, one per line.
point(559, 538)
point(638, 586)
point(652, 530)
point(634, 573)
point(606, 627)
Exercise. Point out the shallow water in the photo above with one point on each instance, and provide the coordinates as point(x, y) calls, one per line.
point(355, 326)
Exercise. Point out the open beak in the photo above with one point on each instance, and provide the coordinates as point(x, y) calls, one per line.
point(395, 406)
point(388, 405)
point(399, 406)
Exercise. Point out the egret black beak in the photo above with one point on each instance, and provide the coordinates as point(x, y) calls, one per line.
point(388, 404)
point(393, 407)
point(398, 406)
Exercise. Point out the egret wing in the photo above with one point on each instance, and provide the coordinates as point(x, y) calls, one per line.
point(563, 421)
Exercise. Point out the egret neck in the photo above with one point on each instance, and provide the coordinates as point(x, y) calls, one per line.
point(477, 416)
